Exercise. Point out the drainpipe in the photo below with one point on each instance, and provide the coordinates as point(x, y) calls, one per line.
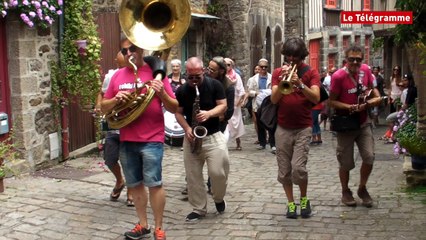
point(64, 104)
point(65, 127)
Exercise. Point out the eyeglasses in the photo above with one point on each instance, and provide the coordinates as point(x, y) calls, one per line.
point(211, 70)
point(132, 48)
point(352, 59)
point(228, 64)
point(196, 77)
point(263, 67)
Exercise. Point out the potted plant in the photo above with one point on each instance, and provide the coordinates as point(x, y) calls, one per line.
point(408, 141)
point(8, 155)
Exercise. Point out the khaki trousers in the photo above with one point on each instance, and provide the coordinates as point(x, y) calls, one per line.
point(214, 152)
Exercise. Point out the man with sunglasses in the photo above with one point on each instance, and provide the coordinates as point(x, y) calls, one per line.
point(294, 128)
point(214, 150)
point(141, 141)
point(259, 87)
point(347, 84)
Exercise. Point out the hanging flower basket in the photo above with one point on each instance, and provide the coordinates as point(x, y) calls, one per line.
point(81, 46)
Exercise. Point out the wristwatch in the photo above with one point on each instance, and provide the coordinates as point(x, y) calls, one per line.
point(301, 86)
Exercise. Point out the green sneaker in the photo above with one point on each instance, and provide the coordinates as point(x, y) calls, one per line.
point(305, 207)
point(291, 210)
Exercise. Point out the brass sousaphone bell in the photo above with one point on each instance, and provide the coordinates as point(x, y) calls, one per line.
point(154, 25)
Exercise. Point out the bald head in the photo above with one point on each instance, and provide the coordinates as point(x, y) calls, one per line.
point(194, 65)
point(194, 71)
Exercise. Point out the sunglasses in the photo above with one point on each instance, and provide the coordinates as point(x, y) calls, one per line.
point(263, 67)
point(228, 64)
point(194, 77)
point(396, 69)
point(352, 59)
point(132, 48)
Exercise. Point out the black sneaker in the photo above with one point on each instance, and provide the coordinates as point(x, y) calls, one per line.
point(138, 232)
point(305, 207)
point(291, 210)
point(193, 217)
point(220, 207)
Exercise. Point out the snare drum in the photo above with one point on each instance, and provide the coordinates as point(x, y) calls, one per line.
point(173, 131)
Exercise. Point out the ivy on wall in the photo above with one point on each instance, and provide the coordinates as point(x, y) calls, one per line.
point(79, 71)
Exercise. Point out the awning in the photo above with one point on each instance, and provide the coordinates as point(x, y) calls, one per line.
point(203, 15)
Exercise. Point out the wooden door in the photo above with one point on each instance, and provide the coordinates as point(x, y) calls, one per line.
point(4, 77)
point(314, 53)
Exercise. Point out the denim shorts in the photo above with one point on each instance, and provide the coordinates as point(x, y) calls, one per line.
point(142, 163)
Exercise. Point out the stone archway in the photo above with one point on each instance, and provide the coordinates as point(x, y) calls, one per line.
point(278, 41)
point(268, 46)
point(255, 47)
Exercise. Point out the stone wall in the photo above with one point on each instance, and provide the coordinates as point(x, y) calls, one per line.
point(243, 15)
point(29, 52)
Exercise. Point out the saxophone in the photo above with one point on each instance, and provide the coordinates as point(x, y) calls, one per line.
point(199, 131)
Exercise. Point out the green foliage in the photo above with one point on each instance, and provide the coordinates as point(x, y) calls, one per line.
point(406, 33)
point(407, 134)
point(79, 72)
point(378, 43)
point(218, 33)
point(8, 155)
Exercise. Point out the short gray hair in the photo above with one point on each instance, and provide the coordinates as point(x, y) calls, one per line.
point(175, 62)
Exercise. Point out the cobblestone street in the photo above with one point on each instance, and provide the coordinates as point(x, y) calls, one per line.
point(71, 201)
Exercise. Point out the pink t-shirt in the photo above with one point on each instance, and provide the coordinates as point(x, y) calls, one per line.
point(294, 110)
point(346, 90)
point(149, 126)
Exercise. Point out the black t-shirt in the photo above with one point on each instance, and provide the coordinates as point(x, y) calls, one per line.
point(210, 91)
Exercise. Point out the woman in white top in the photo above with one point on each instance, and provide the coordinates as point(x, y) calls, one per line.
point(394, 90)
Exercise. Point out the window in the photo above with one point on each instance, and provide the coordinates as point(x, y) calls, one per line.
point(357, 40)
point(332, 42)
point(367, 50)
point(331, 60)
point(366, 5)
point(345, 42)
point(330, 3)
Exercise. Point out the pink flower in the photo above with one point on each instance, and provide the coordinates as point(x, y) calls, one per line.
point(36, 4)
point(32, 14)
point(60, 2)
point(3, 13)
point(59, 12)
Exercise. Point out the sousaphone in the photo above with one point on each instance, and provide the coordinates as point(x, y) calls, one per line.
point(154, 25)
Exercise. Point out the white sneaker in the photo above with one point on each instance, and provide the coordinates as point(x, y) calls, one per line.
point(273, 150)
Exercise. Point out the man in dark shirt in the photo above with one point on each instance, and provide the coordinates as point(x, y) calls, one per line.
point(210, 95)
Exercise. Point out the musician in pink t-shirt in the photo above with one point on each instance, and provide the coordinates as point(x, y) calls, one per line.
point(352, 94)
point(141, 141)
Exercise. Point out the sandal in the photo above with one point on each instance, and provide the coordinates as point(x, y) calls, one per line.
point(130, 203)
point(115, 194)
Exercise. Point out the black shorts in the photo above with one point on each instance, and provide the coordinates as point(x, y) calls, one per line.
point(111, 148)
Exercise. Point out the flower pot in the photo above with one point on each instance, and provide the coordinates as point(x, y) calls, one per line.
point(81, 46)
point(418, 162)
point(1, 185)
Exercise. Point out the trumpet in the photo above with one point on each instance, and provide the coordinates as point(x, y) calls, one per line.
point(285, 86)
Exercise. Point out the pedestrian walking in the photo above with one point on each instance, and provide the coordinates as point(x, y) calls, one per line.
point(141, 141)
point(294, 128)
point(201, 103)
point(349, 89)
